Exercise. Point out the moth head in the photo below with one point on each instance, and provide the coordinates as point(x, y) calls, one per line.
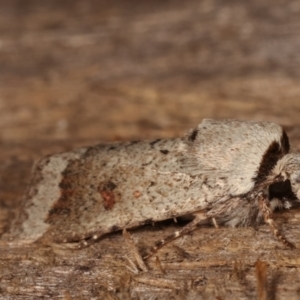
point(288, 170)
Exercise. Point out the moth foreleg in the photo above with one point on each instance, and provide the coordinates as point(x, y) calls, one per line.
point(84, 243)
point(265, 208)
point(199, 217)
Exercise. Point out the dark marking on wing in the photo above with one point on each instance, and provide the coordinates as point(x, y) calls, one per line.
point(285, 144)
point(62, 211)
point(92, 151)
point(192, 137)
point(272, 155)
point(67, 191)
point(164, 151)
point(106, 190)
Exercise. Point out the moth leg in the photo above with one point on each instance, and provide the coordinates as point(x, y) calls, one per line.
point(199, 217)
point(84, 243)
point(78, 245)
point(265, 208)
point(89, 241)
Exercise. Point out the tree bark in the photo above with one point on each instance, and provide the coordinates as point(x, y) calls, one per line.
point(82, 72)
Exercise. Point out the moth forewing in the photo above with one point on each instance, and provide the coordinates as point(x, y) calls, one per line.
point(101, 189)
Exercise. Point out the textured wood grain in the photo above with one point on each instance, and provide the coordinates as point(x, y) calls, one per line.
point(78, 72)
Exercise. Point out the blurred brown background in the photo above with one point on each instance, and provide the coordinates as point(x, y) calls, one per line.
point(78, 72)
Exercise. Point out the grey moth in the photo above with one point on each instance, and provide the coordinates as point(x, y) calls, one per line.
point(232, 172)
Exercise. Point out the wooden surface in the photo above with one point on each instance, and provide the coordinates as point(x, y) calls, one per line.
point(75, 73)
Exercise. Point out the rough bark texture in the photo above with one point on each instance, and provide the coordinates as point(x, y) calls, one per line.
point(73, 73)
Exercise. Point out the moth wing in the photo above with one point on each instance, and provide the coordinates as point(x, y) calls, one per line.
point(128, 196)
point(242, 151)
point(100, 189)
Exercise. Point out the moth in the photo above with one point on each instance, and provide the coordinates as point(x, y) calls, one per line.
point(232, 172)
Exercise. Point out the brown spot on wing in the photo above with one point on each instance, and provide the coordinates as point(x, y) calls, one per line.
point(106, 190)
point(69, 189)
point(193, 135)
point(164, 151)
point(62, 205)
point(137, 194)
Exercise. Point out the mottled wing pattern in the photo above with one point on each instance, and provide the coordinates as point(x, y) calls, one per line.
point(100, 189)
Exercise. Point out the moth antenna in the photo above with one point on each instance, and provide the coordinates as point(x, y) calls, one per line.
point(265, 207)
point(199, 217)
